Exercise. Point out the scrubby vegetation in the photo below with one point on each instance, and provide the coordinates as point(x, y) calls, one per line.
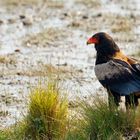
point(103, 123)
point(49, 36)
point(49, 3)
point(48, 118)
point(7, 59)
point(90, 3)
point(122, 25)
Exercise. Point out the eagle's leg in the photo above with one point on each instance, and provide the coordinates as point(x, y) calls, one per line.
point(113, 97)
point(131, 101)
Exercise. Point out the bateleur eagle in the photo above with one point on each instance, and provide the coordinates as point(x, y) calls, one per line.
point(119, 74)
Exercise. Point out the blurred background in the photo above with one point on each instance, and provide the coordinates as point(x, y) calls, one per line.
point(47, 38)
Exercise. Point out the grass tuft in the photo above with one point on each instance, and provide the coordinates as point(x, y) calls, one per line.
point(98, 122)
point(7, 59)
point(137, 122)
point(47, 116)
point(15, 132)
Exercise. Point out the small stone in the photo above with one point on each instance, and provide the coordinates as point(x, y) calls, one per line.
point(99, 14)
point(22, 16)
point(80, 70)
point(75, 24)
point(17, 50)
point(65, 14)
point(132, 16)
point(11, 21)
point(85, 17)
point(3, 96)
point(65, 64)
point(27, 21)
point(18, 73)
point(28, 44)
point(1, 22)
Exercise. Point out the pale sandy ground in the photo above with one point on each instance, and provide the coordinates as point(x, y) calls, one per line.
point(36, 39)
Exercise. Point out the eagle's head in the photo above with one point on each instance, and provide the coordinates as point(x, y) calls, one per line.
point(104, 43)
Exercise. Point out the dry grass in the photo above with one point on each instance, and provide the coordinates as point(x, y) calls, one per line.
point(137, 123)
point(49, 36)
point(17, 2)
point(122, 25)
point(54, 3)
point(90, 3)
point(7, 64)
point(48, 69)
point(124, 37)
point(47, 3)
point(136, 54)
point(4, 113)
point(60, 72)
point(7, 59)
point(47, 115)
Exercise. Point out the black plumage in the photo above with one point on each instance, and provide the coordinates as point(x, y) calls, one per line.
point(119, 74)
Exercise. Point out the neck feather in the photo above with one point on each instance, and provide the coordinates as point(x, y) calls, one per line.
point(106, 51)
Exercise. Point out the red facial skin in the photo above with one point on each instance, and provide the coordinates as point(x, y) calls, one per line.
point(92, 40)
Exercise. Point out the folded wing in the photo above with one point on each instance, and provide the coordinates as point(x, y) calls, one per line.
point(119, 76)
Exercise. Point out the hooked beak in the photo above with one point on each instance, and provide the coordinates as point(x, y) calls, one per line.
point(92, 40)
point(88, 42)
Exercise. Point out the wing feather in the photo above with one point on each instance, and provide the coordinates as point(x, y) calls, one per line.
point(118, 76)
